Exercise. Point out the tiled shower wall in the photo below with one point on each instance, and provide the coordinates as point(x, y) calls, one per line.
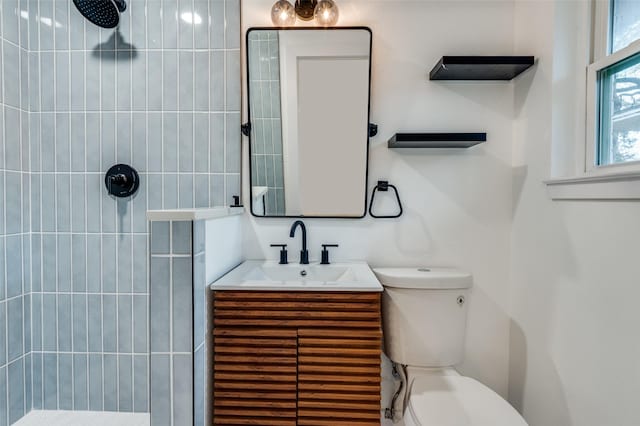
point(162, 94)
point(15, 286)
point(266, 139)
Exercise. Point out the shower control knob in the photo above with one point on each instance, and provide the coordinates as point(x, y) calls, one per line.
point(119, 179)
point(122, 180)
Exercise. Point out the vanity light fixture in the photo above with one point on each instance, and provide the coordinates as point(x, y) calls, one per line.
point(306, 8)
point(283, 14)
point(325, 12)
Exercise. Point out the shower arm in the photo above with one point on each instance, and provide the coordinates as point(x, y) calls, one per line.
point(121, 5)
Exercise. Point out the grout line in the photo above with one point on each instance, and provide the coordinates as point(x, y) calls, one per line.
point(194, 201)
point(117, 224)
point(101, 225)
point(4, 224)
point(225, 196)
point(85, 185)
point(171, 393)
point(79, 233)
point(22, 218)
point(130, 207)
point(128, 110)
point(153, 49)
point(88, 382)
point(71, 198)
point(162, 111)
point(209, 106)
point(89, 353)
point(102, 174)
point(30, 214)
point(55, 203)
point(71, 293)
point(41, 249)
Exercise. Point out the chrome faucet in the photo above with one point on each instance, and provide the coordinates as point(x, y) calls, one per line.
point(304, 253)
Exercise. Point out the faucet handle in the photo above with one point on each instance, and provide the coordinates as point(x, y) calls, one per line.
point(283, 253)
point(325, 253)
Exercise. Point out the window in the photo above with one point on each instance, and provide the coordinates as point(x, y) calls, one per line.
point(606, 165)
point(614, 80)
point(619, 115)
point(625, 23)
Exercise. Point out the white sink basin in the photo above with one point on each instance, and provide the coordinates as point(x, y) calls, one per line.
point(270, 276)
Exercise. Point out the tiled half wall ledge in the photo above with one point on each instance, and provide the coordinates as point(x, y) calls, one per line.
point(189, 249)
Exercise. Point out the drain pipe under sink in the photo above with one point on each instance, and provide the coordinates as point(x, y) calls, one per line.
point(392, 412)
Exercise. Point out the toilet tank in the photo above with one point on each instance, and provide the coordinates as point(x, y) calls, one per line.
point(424, 315)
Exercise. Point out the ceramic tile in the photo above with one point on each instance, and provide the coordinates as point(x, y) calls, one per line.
point(161, 390)
point(182, 301)
point(80, 382)
point(65, 381)
point(125, 383)
point(182, 390)
point(15, 390)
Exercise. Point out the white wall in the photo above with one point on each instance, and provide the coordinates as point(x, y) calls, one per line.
point(575, 287)
point(458, 204)
point(224, 246)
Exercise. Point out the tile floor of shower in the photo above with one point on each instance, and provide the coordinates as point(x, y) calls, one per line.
point(83, 418)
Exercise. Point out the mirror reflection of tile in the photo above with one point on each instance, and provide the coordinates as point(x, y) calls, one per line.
point(266, 158)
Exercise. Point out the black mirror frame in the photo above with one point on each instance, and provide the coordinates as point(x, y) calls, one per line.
point(369, 131)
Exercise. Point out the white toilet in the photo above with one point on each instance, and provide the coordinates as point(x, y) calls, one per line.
point(424, 320)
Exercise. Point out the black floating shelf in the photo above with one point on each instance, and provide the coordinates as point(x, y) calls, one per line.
point(480, 67)
point(436, 140)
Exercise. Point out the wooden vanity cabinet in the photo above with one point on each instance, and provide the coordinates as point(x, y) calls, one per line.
point(305, 358)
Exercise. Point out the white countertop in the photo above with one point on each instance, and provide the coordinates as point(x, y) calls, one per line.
point(179, 215)
point(264, 275)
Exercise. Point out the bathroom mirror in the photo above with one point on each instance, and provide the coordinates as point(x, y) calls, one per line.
point(308, 92)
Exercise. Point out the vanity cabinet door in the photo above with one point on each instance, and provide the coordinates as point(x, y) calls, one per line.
point(255, 376)
point(307, 358)
point(339, 375)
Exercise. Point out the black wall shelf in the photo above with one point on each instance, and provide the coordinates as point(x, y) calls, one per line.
point(436, 140)
point(480, 67)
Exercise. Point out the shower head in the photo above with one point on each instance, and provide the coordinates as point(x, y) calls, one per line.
point(103, 13)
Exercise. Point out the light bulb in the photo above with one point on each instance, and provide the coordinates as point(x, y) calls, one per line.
point(283, 14)
point(326, 13)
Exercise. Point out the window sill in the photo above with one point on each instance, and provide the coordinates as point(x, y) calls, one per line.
point(619, 186)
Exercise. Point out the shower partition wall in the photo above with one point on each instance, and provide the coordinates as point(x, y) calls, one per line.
point(161, 93)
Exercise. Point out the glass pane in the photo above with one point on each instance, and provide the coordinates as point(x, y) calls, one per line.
point(619, 135)
point(625, 23)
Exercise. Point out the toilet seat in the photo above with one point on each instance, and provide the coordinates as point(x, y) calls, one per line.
point(450, 400)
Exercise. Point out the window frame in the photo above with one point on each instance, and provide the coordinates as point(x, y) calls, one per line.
point(600, 60)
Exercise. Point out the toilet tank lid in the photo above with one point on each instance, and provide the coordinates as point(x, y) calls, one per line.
point(424, 278)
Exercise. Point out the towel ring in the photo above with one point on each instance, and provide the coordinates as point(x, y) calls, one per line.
point(384, 186)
